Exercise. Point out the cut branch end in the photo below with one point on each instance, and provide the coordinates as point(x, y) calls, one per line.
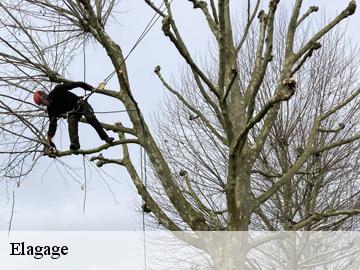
point(314, 9)
point(289, 89)
point(157, 70)
point(351, 7)
point(166, 25)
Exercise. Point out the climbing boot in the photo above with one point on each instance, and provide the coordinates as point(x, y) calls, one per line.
point(74, 146)
point(109, 139)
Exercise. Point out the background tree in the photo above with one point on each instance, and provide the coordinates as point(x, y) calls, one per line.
point(319, 195)
point(264, 131)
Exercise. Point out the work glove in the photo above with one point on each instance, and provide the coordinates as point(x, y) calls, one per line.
point(50, 151)
point(50, 148)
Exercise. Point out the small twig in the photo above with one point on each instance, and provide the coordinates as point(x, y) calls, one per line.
point(85, 185)
point(12, 212)
point(334, 130)
point(315, 46)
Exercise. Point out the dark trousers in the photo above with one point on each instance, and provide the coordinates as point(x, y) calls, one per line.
point(74, 117)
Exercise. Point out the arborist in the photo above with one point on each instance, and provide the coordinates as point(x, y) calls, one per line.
point(60, 101)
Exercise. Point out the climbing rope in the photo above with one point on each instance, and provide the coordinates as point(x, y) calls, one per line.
point(148, 27)
point(12, 212)
point(103, 112)
point(84, 58)
point(144, 177)
point(85, 185)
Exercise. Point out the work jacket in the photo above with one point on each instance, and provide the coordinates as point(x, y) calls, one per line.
point(61, 101)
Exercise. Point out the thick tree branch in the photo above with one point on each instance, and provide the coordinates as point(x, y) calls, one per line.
point(207, 97)
point(250, 20)
point(350, 10)
point(339, 106)
point(307, 55)
point(214, 11)
point(212, 24)
point(316, 217)
point(290, 37)
point(284, 93)
point(209, 212)
point(101, 161)
point(96, 149)
point(190, 107)
point(262, 58)
point(181, 47)
point(336, 144)
point(293, 169)
point(156, 9)
point(311, 10)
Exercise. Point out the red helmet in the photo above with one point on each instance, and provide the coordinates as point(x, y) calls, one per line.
point(38, 97)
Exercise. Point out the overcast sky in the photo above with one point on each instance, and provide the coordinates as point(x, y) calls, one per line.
point(51, 199)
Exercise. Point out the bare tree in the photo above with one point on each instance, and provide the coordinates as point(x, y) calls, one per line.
point(327, 184)
point(267, 140)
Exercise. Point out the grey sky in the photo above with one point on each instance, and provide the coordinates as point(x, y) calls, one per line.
point(48, 201)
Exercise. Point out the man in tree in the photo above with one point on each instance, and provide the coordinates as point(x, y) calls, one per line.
point(59, 101)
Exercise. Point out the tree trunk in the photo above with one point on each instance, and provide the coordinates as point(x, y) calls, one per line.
point(230, 251)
